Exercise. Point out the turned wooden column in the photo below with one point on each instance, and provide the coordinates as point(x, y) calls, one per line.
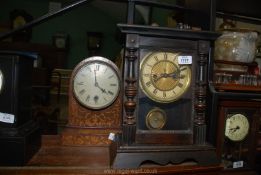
point(200, 94)
point(129, 117)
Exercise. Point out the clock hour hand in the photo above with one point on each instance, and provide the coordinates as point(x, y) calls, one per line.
point(102, 89)
point(156, 77)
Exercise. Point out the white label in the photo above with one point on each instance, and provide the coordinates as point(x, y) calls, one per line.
point(111, 136)
point(185, 59)
point(6, 118)
point(238, 164)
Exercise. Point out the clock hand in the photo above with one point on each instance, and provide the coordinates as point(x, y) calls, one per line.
point(156, 77)
point(102, 89)
point(95, 79)
point(234, 129)
point(96, 84)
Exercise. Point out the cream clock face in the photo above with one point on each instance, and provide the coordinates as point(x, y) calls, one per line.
point(162, 78)
point(237, 127)
point(96, 83)
point(1, 81)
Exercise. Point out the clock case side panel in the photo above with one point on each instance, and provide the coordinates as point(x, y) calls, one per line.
point(251, 109)
point(183, 132)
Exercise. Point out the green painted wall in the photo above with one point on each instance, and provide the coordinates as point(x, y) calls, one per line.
point(75, 23)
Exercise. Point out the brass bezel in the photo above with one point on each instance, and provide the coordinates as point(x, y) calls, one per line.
point(150, 115)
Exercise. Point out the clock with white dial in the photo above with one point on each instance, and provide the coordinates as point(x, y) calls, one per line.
point(237, 127)
point(96, 83)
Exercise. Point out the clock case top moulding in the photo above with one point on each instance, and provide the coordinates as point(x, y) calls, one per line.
point(135, 148)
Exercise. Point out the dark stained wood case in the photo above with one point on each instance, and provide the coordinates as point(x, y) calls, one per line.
point(184, 136)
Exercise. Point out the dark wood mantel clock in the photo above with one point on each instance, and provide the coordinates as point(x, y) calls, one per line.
point(94, 103)
point(164, 120)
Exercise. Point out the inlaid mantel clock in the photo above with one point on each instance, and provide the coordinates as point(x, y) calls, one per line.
point(94, 103)
point(164, 86)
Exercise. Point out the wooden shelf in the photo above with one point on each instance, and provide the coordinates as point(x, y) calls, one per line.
point(54, 158)
point(237, 87)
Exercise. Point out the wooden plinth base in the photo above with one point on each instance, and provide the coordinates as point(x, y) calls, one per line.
point(56, 159)
point(134, 157)
point(18, 145)
point(53, 154)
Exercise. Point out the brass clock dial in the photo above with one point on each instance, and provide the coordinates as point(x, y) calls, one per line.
point(162, 78)
point(156, 119)
point(96, 83)
point(237, 127)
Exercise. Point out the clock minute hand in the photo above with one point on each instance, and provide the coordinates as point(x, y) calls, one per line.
point(174, 75)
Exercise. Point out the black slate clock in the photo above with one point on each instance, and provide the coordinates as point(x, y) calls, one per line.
point(19, 134)
point(164, 119)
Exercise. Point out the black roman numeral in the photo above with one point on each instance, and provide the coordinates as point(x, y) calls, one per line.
point(110, 92)
point(87, 98)
point(79, 83)
point(82, 91)
point(183, 68)
point(165, 56)
point(164, 94)
point(148, 83)
point(97, 67)
point(180, 85)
